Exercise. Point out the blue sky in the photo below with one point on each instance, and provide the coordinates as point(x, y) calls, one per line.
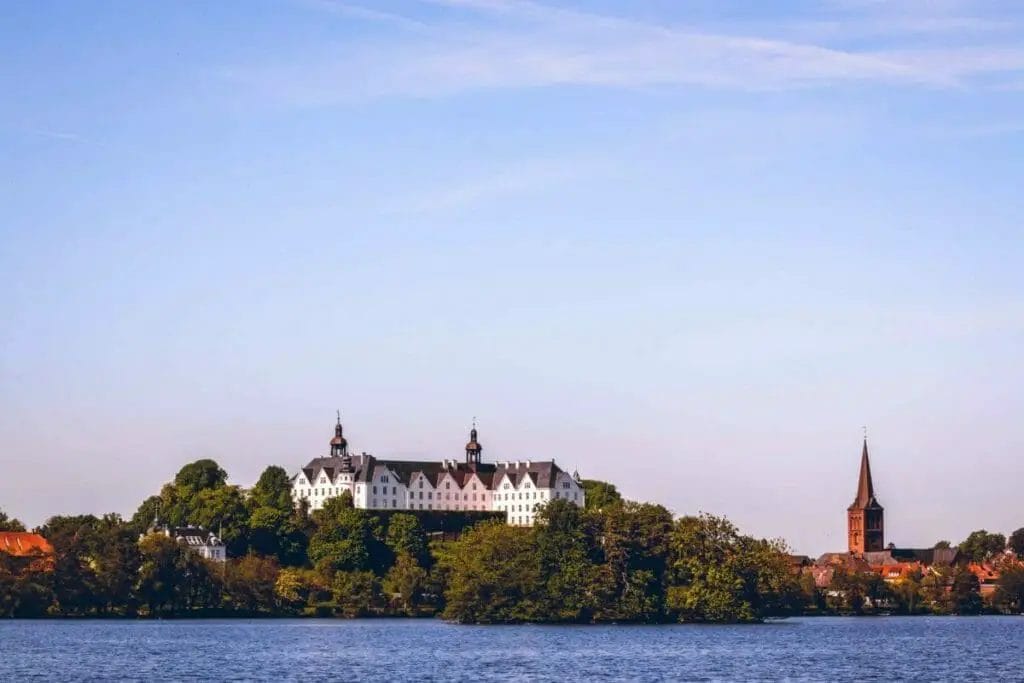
point(690, 247)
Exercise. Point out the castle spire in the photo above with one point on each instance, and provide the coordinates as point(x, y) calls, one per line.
point(473, 448)
point(339, 446)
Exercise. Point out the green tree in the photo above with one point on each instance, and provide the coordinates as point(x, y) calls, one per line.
point(494, 576)
point(982, 546)
point(146, 513)
point(347, 540)
point(632, 554)
point(250, 584)
point(174, 580)
point(200, 475)
point(600, 494)
point(405, 535)
point(720, 575)
point(297, 588)
point(9, 523)
point(943, 545)
point(280, 534)
point(934, 587)
point(23, 591)
point(906, 593)
point(566, 571)
point(1016, 542)
point(272, 490)
point(222, 510)
point(74, 580)
point(1009, 596)
point(406, 580)
point(965, 594)
point(356, 593)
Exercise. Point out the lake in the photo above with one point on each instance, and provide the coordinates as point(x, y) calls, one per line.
point(891, 648)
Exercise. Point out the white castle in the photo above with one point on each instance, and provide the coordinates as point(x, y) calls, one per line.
point(517, 488)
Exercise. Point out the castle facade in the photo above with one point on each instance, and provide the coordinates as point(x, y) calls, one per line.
point(516, 488)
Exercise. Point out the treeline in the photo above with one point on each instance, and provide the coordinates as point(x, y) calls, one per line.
point(943, 589)
point(616, 561)
point(952, 588)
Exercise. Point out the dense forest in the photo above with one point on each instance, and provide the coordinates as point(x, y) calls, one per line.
point(615, 561)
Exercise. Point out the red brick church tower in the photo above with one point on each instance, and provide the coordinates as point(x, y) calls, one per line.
point(865, 523)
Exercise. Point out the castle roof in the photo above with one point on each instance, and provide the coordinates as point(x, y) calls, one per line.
point(541, 474)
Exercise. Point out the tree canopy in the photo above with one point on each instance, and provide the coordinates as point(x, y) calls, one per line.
point(981, 546)
point(600, 494)
point(614, 561)
point(9, 523)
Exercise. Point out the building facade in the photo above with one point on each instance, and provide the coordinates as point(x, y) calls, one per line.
point(204, 543)
point(516, 488)
point(865, 518)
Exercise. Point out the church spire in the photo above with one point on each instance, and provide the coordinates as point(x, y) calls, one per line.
point(865, 518)
point(865, 486)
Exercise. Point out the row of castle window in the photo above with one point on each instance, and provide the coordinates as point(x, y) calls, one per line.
point(430, 494)
point(514, 508)
point(430, 506)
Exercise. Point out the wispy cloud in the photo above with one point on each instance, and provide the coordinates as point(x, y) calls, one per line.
point(492, 44)
point(57, 135)
point(513, 180)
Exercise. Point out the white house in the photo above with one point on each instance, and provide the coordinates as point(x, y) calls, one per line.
point(516, 488)
point(203, 542)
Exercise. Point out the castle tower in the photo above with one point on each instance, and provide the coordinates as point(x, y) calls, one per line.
point(339, 446)
point(865, 523)
point(473, 448)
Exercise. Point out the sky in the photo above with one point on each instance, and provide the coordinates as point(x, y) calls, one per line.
point(689, 247)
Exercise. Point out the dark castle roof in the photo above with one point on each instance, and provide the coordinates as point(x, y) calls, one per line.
point(542, 474)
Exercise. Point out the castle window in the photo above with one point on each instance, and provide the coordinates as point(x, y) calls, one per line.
point(447, 484)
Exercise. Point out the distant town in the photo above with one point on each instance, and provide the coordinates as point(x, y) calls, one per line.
point(473, 541)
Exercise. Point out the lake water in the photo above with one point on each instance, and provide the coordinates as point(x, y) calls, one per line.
point(820, 649)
